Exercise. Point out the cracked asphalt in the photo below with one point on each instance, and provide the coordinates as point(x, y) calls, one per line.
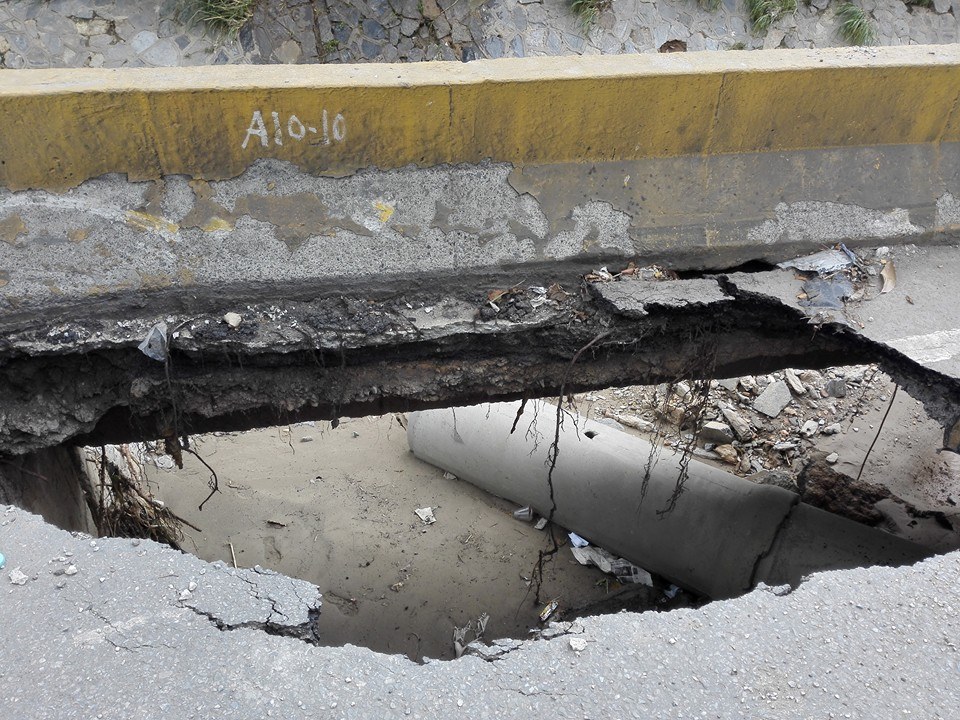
point(113, 640)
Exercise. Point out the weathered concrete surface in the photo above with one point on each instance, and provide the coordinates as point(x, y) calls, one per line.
point(276, 232)
point(720, 538)
point(212, 123)
point(843, 643)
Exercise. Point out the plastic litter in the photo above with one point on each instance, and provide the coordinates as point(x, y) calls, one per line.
point(426, 515)
point(671, 592)
point(548, 610)
point(525, 513)
point(3, 561)
point(823, 263)
point(577, 541)
point(155, 344)
point(541, 524)
point(827, 292)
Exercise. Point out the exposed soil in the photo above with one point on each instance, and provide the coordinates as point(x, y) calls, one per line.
point(336, 507)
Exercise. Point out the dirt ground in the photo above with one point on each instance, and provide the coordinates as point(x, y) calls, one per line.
point(336, 507)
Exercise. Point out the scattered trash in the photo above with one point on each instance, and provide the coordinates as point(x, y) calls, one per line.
point(525, 513)
point(671, 592)
point(578, 644)
point(548, 610)
point(449, 476)
point(822, 263)
point(233, 320)
point(17, 577)
point(478, 626)
point(541, 524)
point(595, 556)
point(626, 572)
point(830, 292)
point(889, 275)
point(155, 344)
point(426, 515)
point(577, 541)
point(3, 561)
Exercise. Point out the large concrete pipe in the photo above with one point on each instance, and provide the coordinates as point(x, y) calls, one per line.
point(724, 535)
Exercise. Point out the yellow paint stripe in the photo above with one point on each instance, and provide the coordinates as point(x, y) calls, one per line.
point(64, 126)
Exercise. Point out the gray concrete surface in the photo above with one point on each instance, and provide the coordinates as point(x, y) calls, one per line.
point(721, 537)
point(275, 228)
point(861, 644)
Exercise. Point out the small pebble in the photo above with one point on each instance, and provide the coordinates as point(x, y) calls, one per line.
point(71, 570)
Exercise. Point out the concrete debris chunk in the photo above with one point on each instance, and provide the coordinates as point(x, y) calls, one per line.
point(727, 453)
point(793, 381)
point(716, 432)
point(836, 388)
point(233, 320)
point(17, 577)
point(810, 428)
point(773, 399)
point(578, 644)
point(741, 428)
point(833, 429)
point(832, 458)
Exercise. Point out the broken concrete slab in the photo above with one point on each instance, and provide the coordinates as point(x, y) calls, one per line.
point(637, 298)
point(725, 645)
point(773, 399)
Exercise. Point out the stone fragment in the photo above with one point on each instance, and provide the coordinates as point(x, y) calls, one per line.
point(727, 453)
point(716, 432)
point(773, 400)
point(836, 388)
point(832, 458)
point(809, 428)
point(779, 478)
point(232, 319)
point(17, 577)
point(741, 428)
point(793, 382)
point(729, 384)
point(942, 6)
point(833, 429)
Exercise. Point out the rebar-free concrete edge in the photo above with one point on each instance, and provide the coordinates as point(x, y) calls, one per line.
point(724, 534)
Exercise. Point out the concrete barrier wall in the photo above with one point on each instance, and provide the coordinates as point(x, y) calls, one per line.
point(62, 127)
point(205, 188)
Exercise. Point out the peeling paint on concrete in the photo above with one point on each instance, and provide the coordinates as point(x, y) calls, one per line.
point(813, 222)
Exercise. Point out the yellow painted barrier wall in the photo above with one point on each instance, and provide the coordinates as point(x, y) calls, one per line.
point(61, 127)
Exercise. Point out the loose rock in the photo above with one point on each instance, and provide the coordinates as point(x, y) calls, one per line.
point(773, 400)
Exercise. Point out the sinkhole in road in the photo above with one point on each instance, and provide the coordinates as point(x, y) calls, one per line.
point(337, 506)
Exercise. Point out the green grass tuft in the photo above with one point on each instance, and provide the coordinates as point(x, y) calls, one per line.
point(588, 11)
point(763, 13)
point(855, 27)
point(225, 16)
point(713, 5)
